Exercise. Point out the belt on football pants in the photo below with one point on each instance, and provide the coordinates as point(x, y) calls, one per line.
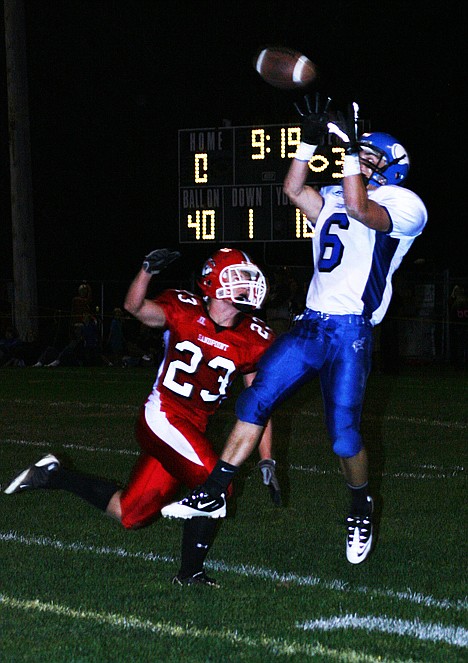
point(351, 319)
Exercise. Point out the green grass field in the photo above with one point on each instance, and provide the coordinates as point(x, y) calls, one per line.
point(75, 586)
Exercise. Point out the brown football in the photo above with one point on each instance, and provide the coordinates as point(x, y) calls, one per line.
point(284, 68)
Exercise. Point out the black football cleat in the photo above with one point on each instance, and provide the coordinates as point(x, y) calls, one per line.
point(198, 504)
point(35, 476)
point(199, 578)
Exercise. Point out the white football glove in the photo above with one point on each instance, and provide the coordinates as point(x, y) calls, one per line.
point(267, 468)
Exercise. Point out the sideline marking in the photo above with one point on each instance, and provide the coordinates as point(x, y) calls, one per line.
point(452, 635)
point(127, 622)
point(242, 570)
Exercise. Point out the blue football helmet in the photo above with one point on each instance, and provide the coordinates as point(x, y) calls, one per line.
point(394, 165)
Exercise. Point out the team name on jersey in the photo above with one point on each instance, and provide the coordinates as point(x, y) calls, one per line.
point(211, 341)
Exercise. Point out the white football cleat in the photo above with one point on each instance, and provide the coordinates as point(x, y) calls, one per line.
point(198, 504)
point(359, 535)
point(35, 476)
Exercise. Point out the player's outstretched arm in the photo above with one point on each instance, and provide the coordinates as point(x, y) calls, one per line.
point(314, 128)
point(145, 310)
point(357, 202)
point(267, 464)
point(308, 200)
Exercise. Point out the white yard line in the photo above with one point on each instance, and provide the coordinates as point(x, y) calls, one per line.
point(435, 472)
point(452, 635)
point(245, 570)
point(78, 447)
point(425, 421)
point(163, 628)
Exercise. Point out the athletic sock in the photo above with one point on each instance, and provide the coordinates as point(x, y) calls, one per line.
point(220, 478)
point(359, 502)
point(197, 539)
point(94, 490)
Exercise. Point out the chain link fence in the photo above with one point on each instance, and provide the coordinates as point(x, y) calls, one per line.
point(426, 321)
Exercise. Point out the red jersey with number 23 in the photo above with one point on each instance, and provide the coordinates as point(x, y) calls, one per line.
point(202, 359)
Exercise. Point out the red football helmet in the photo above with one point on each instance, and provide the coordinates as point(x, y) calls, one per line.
point(230, 274)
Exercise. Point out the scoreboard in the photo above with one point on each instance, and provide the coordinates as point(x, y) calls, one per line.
point(231, 183)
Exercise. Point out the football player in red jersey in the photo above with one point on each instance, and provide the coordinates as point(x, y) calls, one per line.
point(208, 341)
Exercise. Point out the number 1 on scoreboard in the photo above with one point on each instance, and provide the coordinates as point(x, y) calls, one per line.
point(251, 224)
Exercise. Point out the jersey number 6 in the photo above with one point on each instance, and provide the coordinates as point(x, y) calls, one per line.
point(331, 246)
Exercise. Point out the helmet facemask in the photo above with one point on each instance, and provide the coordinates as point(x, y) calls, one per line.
point(244, 285)
point(377, 169)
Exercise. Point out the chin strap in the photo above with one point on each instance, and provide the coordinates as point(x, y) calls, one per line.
point(244, 308)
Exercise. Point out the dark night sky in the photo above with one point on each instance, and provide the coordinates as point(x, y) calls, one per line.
point(111, 82)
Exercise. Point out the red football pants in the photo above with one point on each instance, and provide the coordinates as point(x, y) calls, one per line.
point(174, 452)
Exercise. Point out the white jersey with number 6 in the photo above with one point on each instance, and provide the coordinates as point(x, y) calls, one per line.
point(353, 264)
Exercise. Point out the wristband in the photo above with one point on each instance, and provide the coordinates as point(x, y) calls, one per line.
point(305, 151)
point(351, 165)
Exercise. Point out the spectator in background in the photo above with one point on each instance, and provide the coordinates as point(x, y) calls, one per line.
point(83, 342)
point(278, 313)
point(80, 306)
point(458, 314)
point(8, 343)
point(146, 349)
point(25, 352)
point(71, 355)
point(91, 343)
point(115, 343)
point(390, 333)
point(297, 297)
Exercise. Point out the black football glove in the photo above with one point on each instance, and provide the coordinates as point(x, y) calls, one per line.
point(346, 128)
point(314, 119)
point(267, 468)
point(158, 260)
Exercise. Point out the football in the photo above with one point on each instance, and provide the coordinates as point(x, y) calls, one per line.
point(284, 68)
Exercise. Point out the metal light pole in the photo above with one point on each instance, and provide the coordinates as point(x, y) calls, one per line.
point(24, 256)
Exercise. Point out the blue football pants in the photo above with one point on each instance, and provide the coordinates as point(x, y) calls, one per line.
point(337, 348)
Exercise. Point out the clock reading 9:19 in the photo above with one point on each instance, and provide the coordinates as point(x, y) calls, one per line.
point(290, 137)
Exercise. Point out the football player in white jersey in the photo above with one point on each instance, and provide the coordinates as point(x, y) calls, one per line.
point(363, 228)
point(208, 341)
